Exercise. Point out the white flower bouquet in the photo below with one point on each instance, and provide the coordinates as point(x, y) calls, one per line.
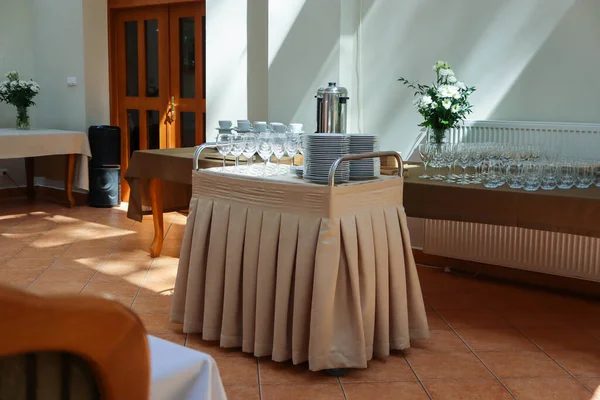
point(444, 104)
point(19, 94)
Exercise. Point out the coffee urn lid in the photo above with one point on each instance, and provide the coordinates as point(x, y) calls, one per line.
point(336, 90)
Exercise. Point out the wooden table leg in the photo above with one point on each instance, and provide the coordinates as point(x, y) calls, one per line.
point(157, 216)
point(69, 179)
point(30, 172)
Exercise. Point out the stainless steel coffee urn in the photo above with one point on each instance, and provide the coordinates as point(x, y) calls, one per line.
point(331, 109)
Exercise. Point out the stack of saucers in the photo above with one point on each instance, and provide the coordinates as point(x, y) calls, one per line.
point(321, 150)
point(369, 167)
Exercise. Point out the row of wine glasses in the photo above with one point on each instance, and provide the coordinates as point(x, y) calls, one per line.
point(265, 144)
point(525, 167)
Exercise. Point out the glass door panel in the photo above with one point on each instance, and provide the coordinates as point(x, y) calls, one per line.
point(131, 58)
point(187, 78)
point(152, 54)
point(153, 126)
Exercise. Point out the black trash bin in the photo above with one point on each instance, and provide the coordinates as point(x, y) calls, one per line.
point(105, 168)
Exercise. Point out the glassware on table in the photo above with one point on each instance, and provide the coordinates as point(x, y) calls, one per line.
point(477, 154)
point(238, 144)
point(250, 147)
point(292, 143)
point(426, 154)
point(265, 148)
point(584, 174)
point(448, 160)
point(464, 160)
point(437, 160)
point(565, 174)
point(224, 146)
point(514, 174)
point(531, 176)
point(596, 175)
point(495, 176)
point(548, 171)
point(278, 144)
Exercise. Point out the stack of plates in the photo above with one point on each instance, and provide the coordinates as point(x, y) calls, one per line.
point(321, 150)
point(367, 168)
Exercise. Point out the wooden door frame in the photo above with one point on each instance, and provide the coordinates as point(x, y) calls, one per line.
point(113, 7)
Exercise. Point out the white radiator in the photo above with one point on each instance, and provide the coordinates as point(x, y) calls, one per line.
point(549, 252)
point(570, 139)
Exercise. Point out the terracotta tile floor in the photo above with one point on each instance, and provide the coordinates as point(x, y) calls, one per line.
point(489, 340)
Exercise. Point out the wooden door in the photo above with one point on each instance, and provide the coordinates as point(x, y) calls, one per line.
point(158, 79)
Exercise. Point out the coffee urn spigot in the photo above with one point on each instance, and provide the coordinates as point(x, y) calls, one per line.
point(331, 109)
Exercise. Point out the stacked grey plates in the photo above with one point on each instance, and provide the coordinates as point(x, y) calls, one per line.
point(369, 167)
point(321, 150)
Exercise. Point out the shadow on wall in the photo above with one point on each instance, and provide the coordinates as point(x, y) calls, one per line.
point(304, 51)
point(488, 43)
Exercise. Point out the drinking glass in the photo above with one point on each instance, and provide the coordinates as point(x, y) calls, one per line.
point(565, 175)
point(596, 175)
point(495, 174)
point(238, 144)
point(464, 159)
point(291, 145)
point(437, 161)
point(477, 156)
point(584, 175)
point(278, 144)
point(514, 173)
point(531, 177)
point(425, 152)
point(548, 171)
point(265, 148)
point(224, 145)
point(448, 161)
point(251, 143)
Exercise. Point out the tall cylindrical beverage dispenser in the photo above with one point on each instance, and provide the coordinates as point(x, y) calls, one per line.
point(331, 109)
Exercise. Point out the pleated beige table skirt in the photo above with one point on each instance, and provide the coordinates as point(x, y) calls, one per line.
point(299, 271)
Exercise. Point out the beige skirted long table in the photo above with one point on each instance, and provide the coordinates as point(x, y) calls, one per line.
point(574, 211)
point(49, 153)
point(292, 270)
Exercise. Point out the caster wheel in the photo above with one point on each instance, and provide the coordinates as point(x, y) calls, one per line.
point(337, 372)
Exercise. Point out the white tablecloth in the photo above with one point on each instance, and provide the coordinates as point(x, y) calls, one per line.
point(52, 143)
point(180, 373)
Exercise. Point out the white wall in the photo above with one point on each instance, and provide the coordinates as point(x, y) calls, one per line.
point(50, 41)
point(16, 54)
point(530, 59)
point(95, 61)
point(304, 54)
point(226, 65)
point(58, 49)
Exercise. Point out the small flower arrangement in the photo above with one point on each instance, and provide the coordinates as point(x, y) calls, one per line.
point(444, 104)
point(19, 94)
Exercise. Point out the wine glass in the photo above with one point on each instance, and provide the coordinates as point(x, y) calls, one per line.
point(425, 152)
point(291, 145)
point(265, 148)
point(238, 145)
point(251, 144)
point(278, 143)
point(224, 145)
point(464, 159)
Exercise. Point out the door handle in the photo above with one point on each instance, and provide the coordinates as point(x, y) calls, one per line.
point(173, 106)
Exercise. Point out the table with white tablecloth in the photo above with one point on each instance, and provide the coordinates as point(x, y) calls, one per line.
point(49, 153)
point(292, 270)
point(180, 373)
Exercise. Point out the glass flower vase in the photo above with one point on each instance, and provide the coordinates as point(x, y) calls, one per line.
point(22, 118)
point(437, 136)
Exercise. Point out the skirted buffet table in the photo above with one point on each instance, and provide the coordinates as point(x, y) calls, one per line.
point(292, 270)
